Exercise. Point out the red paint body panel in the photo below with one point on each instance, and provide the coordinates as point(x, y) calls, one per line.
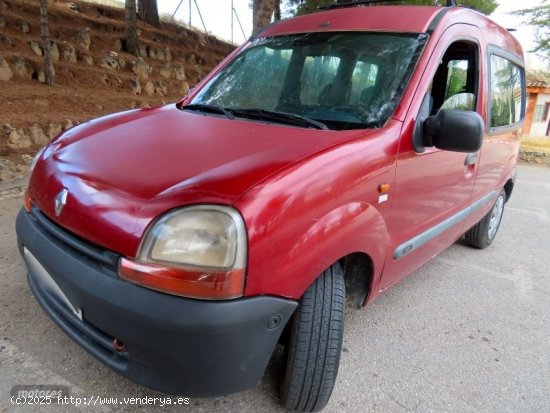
point(308, 197)
point(127, 169)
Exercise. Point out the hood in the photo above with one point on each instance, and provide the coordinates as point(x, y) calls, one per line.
point(124, 170)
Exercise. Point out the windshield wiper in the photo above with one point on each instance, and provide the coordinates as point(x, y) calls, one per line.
point(201, 107)
point(289, 118)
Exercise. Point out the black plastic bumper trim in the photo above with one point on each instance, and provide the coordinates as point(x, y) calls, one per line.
point(176, 345)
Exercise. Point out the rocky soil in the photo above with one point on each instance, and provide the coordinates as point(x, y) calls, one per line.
point(93, 74)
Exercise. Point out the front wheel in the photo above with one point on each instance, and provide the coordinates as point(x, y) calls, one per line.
point(316, 334)
point(484, 232)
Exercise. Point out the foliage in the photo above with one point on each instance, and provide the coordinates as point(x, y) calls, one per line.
point(310, 6)
point(539, 18)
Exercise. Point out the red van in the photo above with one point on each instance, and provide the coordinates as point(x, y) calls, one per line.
point(320, 163)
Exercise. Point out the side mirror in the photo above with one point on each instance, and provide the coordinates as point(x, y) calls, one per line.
point(455, 130)
point(449, 129)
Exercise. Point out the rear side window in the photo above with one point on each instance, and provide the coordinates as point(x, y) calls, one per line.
point(507, 97)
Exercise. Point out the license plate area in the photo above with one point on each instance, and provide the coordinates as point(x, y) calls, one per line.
point(47, 283)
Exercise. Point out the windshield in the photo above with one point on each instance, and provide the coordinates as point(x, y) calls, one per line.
point(345, 80)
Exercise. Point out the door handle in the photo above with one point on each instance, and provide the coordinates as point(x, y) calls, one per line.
point(471, 159)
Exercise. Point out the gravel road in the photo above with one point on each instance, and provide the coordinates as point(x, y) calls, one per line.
point(468, 332)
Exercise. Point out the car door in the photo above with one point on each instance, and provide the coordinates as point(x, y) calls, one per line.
point(433, 188)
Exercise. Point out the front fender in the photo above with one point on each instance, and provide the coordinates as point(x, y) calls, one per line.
point(350, 228)
point(318, 210)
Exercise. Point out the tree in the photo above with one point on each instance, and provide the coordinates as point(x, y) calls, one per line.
point(131, 28)
point(539, 17)
point(46, 43)
point(310, 6)
point(262, 10)
point(148, 12)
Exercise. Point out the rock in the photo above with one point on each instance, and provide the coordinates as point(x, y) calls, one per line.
point(54, 52)
point(10, 171)
point(23, 26)
point(3, 5)
point(84, 40)
point(166, 71)
point(179, 72)
point(27, 159)
point(2, 22)
point(168, 54)
point(191, 59)
point(69, 53)
point(160, 55)
point(38, 137)
point(42, 75)
point(161, 88)
point(135, 85)
point(22, 67)
point(117, 44)
point(185, 88)
point(67, 124)
point(122, 63)
point(150, 88)
point(110, 62)
point(35, 47)
point(534, 157)
point(86, 58)
point(111, 80)
point(5, 70)
point(54, 129)
point(6, 41)
point(142, 50)
point(16, 138)
point(74, 7)
point(141, 68)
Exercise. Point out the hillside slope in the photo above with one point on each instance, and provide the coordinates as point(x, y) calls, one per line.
point(94, 76)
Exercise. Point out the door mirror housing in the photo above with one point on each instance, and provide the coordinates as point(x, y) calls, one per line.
point(454, 130)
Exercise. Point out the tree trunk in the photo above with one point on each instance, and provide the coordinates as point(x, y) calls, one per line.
point(148, 12)
point(46, 42)
point(277, 12)
point(131, 28)
point(262, 10)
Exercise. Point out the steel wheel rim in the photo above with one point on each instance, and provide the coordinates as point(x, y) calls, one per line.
point(496, 216)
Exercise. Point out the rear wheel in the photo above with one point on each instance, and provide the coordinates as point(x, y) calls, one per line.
point(313, 353)
point(484, 232)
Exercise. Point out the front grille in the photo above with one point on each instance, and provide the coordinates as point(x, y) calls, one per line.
point(93, 339)
point(88, 251)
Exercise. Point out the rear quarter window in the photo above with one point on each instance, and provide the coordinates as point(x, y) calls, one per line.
point(507, 99)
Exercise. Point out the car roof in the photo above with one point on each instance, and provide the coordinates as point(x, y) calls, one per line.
point(414, 19)
point(400, 19)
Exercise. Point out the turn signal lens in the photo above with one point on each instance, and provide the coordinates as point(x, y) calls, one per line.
point(27, 201)
point(209, 284)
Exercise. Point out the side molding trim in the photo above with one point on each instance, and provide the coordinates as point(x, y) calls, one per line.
point(414, 243)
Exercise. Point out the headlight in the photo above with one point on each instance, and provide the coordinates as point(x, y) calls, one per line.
point(197, 252)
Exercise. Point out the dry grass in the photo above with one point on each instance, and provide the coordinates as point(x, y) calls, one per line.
point(537, 144)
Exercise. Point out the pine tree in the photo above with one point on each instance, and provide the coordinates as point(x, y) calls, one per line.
point(310, 6)
point(148, 12)
point(262, 10)
point(539, 17)
point(46, 42)
point(131, 28)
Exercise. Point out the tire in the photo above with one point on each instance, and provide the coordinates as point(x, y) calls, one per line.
point(484, 232)
point(313, 353)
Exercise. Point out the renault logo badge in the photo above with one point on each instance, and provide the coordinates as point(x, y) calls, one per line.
point(61, 201)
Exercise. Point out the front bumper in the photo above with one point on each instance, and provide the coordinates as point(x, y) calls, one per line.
point(172, 344)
